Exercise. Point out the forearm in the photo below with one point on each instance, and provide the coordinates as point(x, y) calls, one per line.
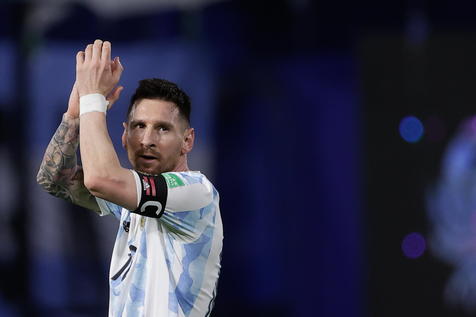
point(98, 156)
point(59, 173)
point(59, 164)
point(96, 77)
point(103, 174)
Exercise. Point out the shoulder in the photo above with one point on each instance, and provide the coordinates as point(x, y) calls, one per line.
point(189, 190)
point(175, 179)
point(193, 179)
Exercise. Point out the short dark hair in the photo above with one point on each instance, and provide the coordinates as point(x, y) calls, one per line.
point(155, 88)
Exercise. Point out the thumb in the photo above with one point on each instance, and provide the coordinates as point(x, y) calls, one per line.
point(114, 96)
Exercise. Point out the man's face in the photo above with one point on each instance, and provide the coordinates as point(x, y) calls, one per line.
point(156, 138)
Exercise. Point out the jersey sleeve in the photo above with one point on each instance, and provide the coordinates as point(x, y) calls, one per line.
point(151, 195)
point(106, 208)
point(170, 192)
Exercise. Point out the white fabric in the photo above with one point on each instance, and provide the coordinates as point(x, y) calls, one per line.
point(138, 187)
point(92, 102)
point(168, 266)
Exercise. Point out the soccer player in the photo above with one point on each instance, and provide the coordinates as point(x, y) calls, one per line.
point(166, 258)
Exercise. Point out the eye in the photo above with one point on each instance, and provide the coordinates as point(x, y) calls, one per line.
point(163, 128)
point(139, 125)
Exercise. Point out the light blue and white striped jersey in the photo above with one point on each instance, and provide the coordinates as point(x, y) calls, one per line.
point(167, 266)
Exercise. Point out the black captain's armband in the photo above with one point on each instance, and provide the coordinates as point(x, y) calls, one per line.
point(153, 196)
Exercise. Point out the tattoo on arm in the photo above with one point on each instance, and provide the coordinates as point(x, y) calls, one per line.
point(59, 173)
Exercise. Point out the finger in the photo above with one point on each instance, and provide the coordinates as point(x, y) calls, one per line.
point(106, 52)
point(114, 96)
point(88, 52)
point(117, 72)
point(114, 64)
point(79, 58)
point(97, 48)
point(116, 93)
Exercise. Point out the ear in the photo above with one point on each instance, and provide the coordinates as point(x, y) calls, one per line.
point(124, 135)
point(189, 138)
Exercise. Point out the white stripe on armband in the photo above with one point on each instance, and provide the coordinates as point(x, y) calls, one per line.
point(92, 102)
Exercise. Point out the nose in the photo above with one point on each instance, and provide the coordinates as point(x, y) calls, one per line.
point(149, 138)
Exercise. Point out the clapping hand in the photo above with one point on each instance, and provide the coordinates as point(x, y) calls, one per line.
point(95, 73)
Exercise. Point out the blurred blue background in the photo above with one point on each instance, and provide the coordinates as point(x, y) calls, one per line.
point(322, 124)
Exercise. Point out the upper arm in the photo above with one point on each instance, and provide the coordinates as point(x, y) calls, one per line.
point(170, 192)
point(119, 188)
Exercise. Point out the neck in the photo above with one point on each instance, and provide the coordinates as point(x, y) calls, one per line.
point(182, 165)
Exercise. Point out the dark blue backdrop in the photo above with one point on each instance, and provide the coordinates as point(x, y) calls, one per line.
point(277, 105)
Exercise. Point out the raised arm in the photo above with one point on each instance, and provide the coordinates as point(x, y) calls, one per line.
point(59, 173)
point(104, 177)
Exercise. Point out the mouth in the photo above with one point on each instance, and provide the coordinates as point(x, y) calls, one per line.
point(148, 158)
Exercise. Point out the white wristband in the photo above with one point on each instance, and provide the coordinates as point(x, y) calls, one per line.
point(92, 102)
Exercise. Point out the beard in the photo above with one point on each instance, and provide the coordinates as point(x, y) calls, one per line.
point(151, 168)
point(152, 162)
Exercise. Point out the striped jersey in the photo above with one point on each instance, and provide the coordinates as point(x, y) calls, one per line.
point(166, 257)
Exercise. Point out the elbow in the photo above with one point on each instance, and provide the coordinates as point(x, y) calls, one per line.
point(99, 186)
point(39, 177)
point(44, 181)
point(94, 184)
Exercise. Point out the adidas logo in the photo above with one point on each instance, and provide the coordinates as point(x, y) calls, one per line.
point(146, 185)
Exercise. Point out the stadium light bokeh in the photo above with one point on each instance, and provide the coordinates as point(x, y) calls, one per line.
point(413, 245)
point(411, 129)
